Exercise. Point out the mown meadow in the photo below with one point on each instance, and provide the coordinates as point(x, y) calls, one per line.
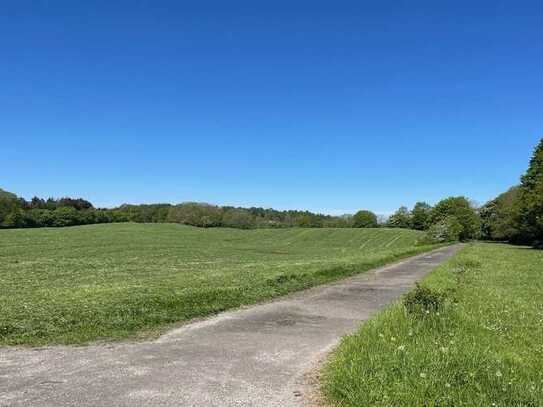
point(471, 334)
point(111, 281)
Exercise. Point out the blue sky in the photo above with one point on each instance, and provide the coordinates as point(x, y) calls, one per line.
point(327, 106)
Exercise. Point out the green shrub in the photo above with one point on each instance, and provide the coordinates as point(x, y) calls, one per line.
point(420, 216)
point(238, 218)
point(365, 219)
point(402, 218)
point(460, 209)
point(423, 300)
point(195, 214)
point(446, 230)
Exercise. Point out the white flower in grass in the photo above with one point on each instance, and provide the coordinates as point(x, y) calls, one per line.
point(499, 374)
point(447, 385)
point(423, 375)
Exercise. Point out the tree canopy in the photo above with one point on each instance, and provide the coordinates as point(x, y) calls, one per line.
point(365, 219)
point(527, 209)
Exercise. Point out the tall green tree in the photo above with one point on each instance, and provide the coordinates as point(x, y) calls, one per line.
point(420, 216)
point(528, 207)
point(365, 219)
point(497, 216)
point(400, 219)
point(8, 203)
point(461, 209)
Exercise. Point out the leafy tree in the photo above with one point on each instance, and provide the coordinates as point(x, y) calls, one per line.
point(461, 209)
point(528, 207)
point(196, 214)
point(8, 203)
point(41, 217)
point(497, 216)
point(420, 216)
point(65, 216)
point(37, 203)
point(448, 229)
point(78, 204)
point(153, 213)
point(238, 218)
point(17, 219)
point(400, 219)
point(365, 219)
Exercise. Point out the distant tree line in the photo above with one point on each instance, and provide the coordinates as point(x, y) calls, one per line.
point(16, 212)
point(515, 216)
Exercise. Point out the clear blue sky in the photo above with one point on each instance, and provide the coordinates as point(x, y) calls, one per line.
point(329, 106)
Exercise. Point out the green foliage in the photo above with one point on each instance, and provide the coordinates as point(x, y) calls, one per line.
point(482, 349)
point(365, 219)
point(8, 203)
point(528, 207)
point(78, 284)
point(17, 213)
point(152, 213)
point(460, 209)
point(400, 219)
point(238, 218)
point(445, 230)
point(420, 216)
point(497, 216)
point(423, 300)
point(195, 214)
point(16, 219)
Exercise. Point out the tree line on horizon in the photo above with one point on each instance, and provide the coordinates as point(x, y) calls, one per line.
point(515, 216)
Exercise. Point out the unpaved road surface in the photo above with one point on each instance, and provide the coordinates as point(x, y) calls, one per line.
point(257, 356)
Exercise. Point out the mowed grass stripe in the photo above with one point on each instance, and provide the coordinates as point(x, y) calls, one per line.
point(80, 284)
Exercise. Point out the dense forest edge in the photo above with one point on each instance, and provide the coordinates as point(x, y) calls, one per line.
point(515, 216)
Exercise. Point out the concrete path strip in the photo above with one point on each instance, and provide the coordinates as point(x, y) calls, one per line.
point(256, 356)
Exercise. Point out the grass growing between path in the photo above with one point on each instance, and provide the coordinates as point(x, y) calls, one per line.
point(79, 284)
point(474, 338)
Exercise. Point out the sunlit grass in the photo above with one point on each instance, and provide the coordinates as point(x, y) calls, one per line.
point(482, 347)
point(74, 285)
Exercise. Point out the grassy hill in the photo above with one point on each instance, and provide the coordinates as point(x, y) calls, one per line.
point(73, 285)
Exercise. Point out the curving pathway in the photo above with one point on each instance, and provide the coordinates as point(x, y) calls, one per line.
point(257, 356)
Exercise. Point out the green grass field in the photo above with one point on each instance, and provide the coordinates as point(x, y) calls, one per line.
point(482, 347)
point(79, 284)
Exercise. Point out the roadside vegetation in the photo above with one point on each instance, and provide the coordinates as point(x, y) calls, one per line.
point(79, 284)
point(470, 334)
